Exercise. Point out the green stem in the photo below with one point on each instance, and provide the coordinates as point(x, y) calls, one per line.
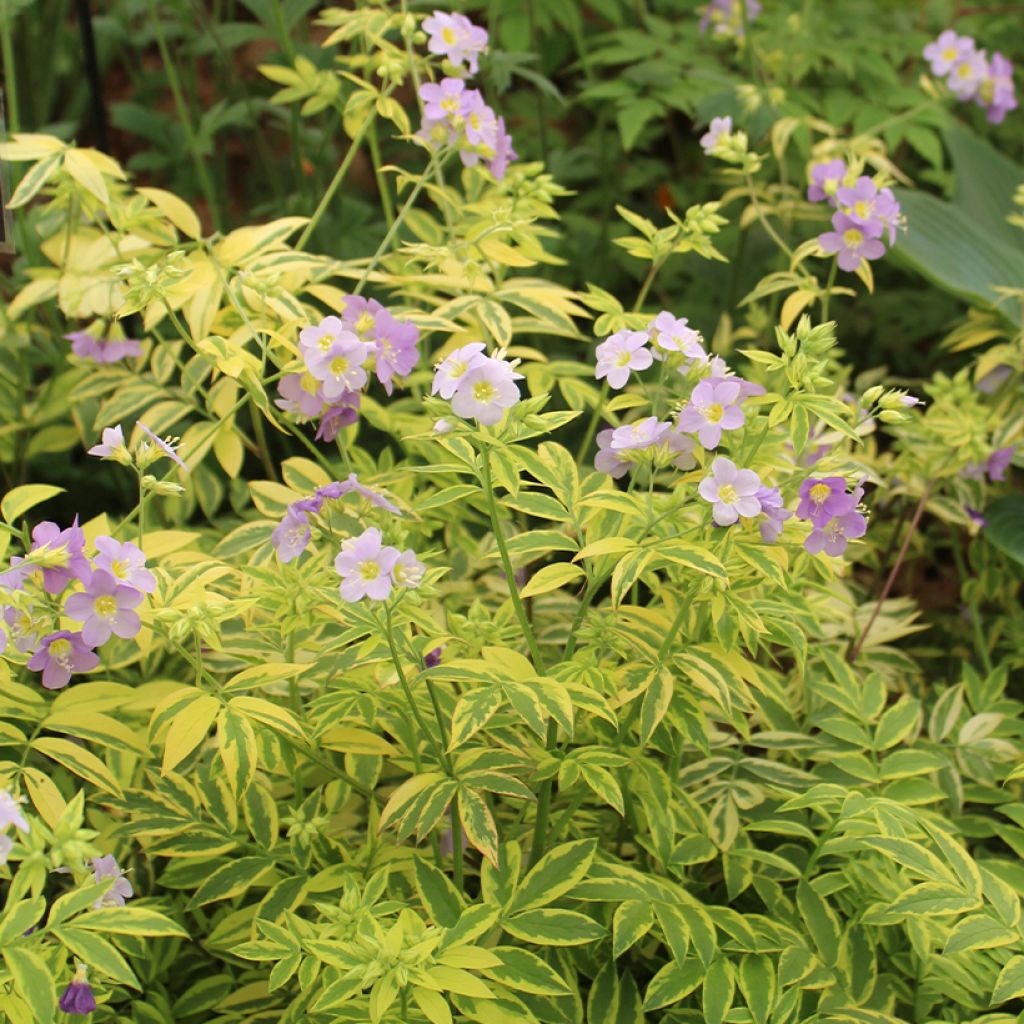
point(336, 182)
point(827, 297)
point(972, 605)
point(10, 71)
point(752, 65)
point(765, 223)
point(382, 185)
point(595, 418)
point(185, 117)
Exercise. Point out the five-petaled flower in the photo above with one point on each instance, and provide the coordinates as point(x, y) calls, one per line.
point(107, 867)
point(851, 241)
point(61, 655)
point(486, 391)
point(620, 353)
point(105, 607)
point(714, 406)
point(455, 37)
point(364, 565)
point(732, 492)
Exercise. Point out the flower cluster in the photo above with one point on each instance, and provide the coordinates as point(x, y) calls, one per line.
point(480, 387)
point(10, 814)
point(972, 75)
point(337, 353)
point(865, 215)
point(454, 37)
point(369, 568)
point(725, 17)
point(456, 116)
point(292, 535)
point(102, 350)
point(832, 512)
point(113, 583)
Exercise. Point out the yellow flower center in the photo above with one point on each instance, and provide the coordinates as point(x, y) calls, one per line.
point(714, 412)
point(965, 70)
point(820, 492)
point(457, 369)
point(623, 358)
point(60, 651)
point(105, 606)
point(484, 391)
point(853, 237)
point(451, 104)
point(949, 53)
point(862, 208)
point(449, 36)
point(369, 570)
point(727, 494)
point(324, 342)
point(365, 322)
point(339, 364)
point(119, 567)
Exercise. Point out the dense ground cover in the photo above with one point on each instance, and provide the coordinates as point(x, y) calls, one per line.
point(511, 515)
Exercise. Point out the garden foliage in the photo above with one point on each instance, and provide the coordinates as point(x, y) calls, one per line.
point(408, 625)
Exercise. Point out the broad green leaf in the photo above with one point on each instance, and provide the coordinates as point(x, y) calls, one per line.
point(1010, 983)
point(189, 728)
point(757, 983)
point(473, 711)
point(551, 577)
point(550, 927)
point(437, 894)
point(130, 920)
point(79, 761)
point(1004, 526)
point(18, 501)
point(526, 972)
point(978, 932)
point(555, 874)
point(719, 989)
point(478, 822)
point(820, 919)
point(33, 981)
point(672, 983)
point(633, 919)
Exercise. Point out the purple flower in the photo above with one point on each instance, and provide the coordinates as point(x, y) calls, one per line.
point(433, 658)
point(968, 74)
point(169, 447)
point(994, 379)
point(25, 630)
point(444, 100)
point(481, 123)
point(852, 242)
point(858, 203)
point(673, 335)
point(105, 607)
point(486, 391)
point(352, 484)
point(408, 570)
point(622, 352)
point(732, 492)
point(996, 93)
point(77, 998)
point(455, 37)
point(339, 368)
point(504, 154)
point(365, 566)
point(975, 517)
point(60, 655)
point(821, 499)
point(396, 342)
point(725, 17)
point(343, 412)
point(125, 562)
point(64, 554)
point(833, 536)
point(722, 374)
point(639, 435)
point(107, 867)
point(714, 406)
point(826, 178)
point(10, 812)
point(291, 535)
point(111, 443)
point(360, 315)
point(719, 126)
point(450, 371)
point(606, 460)
point(300, 395)
point(319, 339)
point(102, 350)
point(998, 462)
point(682, 446)
point(947, 51)
point(774, 511)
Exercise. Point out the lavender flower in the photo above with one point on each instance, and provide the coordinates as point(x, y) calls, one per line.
point(365, 567)
point(111, 445)
point(674, 335)
point(6, 845)
point(105, 607)
point(639, 435)
point(826, 179)
point(775, 513)
point(968, 74)
point(947, 51)
point(444, 100)
point(319, 339)
point(456, 38)
point(24, 628)
point(833, 536)
point(732, 492)
point(60, 655)
point(291, 536)
point(78, 997)
point(996, 92)
point(719, 127)
point(714, 406)
point(725, 17)
point(338, 415)
point(102, 350)
point(821, 499)
point(340, 368)
point(485, 392)
point(433, 657)
point(107, 867)
point(300, 395)
point(408, 570)
point(450, 372)
point(682, 448)
point(125, 562)
point(998, 462)
point(64, 557)
point(396, 343)
point(168, 447)
point(622, 352)
point(10, 812)
point(852, 242)
point(607, 460)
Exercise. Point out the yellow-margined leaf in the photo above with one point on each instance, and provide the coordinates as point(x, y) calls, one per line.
point(176, 210)
point(188, 729)
point(79, 761)
point(551, 577)
point(18, 501)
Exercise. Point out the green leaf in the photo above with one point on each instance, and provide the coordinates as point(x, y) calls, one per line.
point(526, 972)
point(978, 932)
point(35, 178)
point(820, 919)
point(79, 761)
point(19, 916)
point(548, 927)
point(98, 953)
point(1010, 983)
point(473, 711)
point(551, 577)
point(1004, 526)
point(719, 989)
point(691, 556)
point(672, 983)
point(657, 698)
point(437, 894)
point(18, 501)
point(929, 899)
point(757, 983)
point(230, 879)
point(555, 874)
point(33, 981)
point(632, 921)
point(478, 822)
point(130, 920)
point(632, 117)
